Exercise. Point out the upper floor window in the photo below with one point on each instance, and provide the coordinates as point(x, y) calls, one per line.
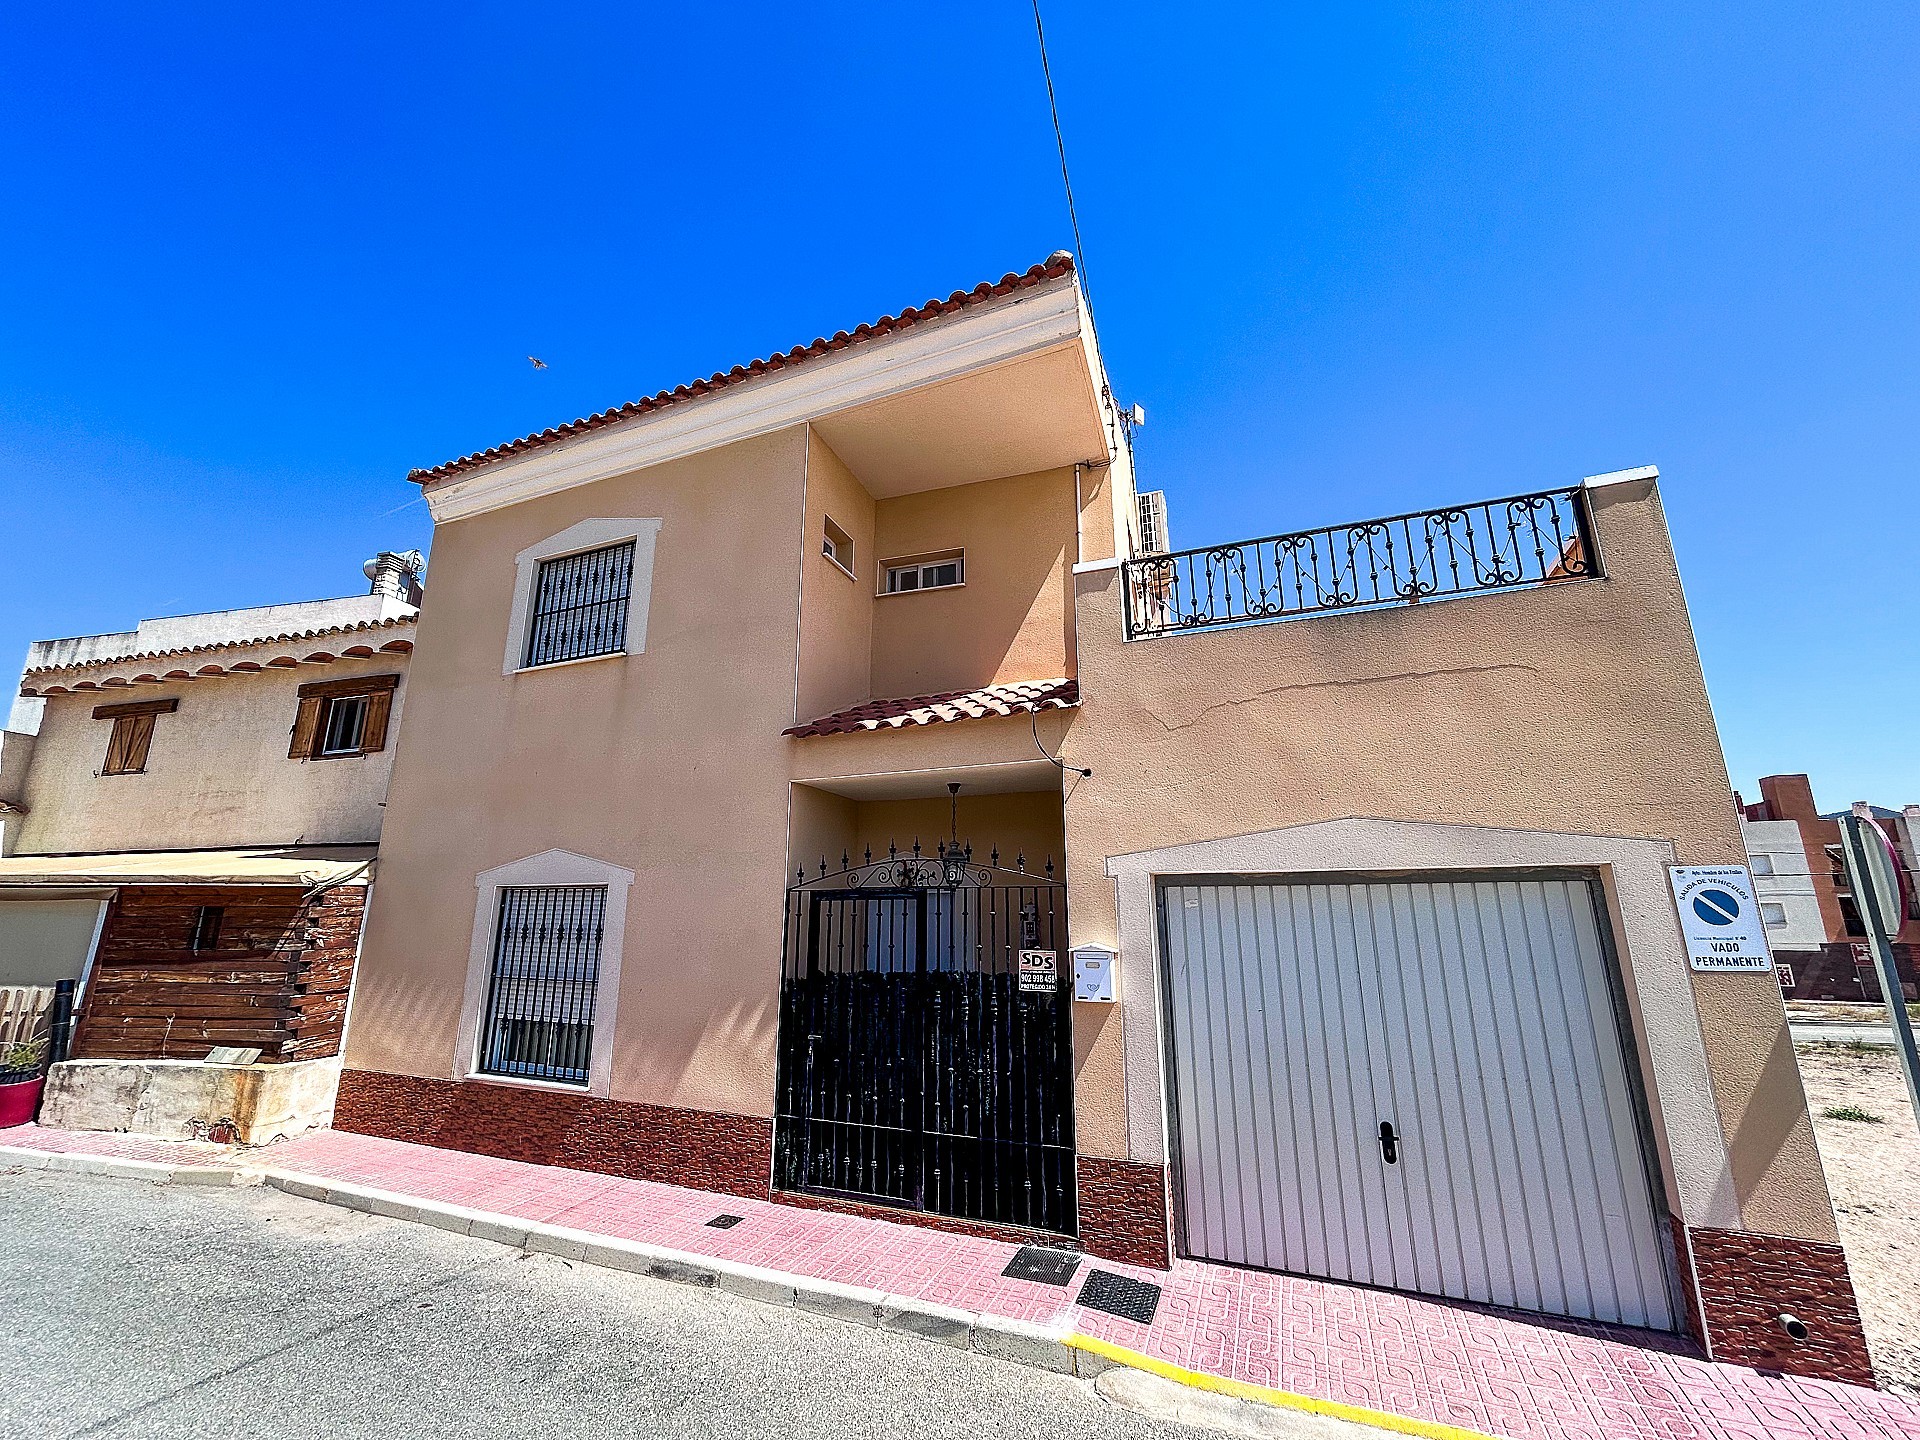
point(580, 605)
point(935, 572)
point(582, 594)
point(1761, 864)
point(337, 718)
point(1772, 915)
point(345, 725)
point(837, 546)
point(132, 733)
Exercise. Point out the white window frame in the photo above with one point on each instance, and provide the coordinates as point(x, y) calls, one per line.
point(551, 867)
point(595, 534)
point(923, 563)
point(332, 703)
point(834, 539)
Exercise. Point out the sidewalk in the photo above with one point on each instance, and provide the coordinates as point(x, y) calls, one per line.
point(1339, 1349)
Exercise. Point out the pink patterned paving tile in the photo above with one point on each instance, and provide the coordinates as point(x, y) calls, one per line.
point(108, 1146)
point(1485, 1370)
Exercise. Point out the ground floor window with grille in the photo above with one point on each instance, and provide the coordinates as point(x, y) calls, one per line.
point(540, 993)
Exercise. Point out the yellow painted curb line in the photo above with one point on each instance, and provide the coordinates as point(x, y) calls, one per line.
point(1286, 1399)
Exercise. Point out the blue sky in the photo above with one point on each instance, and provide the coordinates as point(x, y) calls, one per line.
point(257, 263)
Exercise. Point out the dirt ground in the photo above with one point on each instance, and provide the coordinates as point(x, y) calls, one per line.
point(1842, 1012)
point(1874, 1173)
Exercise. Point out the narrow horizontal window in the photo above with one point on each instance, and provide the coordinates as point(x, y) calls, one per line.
point(938, 573)
point(580, 605)
point(540, 994)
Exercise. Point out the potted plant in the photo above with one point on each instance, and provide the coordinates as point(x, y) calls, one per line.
point(22, 1077)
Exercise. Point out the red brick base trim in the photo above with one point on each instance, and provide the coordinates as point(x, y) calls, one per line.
point(1749, 1280)
point(1123, 1211)
point(697, 1149)
point(701, 1149)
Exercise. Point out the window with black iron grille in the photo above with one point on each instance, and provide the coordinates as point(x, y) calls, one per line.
point(546, 966)
point(580, 605)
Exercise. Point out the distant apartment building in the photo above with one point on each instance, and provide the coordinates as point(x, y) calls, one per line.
point(187, 834)
point(1813, 919)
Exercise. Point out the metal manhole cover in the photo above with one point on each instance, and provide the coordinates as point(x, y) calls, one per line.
point(725, 1222)
point(1119, 1295)
point(1036, 1262)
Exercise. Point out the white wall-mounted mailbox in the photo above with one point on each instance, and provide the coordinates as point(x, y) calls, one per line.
point(1093, 973)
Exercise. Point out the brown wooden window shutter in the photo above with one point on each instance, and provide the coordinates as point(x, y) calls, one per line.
point(132, 735)
point(373, 734)
point(310, 723)
point(306, 727)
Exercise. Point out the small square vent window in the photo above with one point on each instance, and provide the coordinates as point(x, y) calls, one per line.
point(837, 546)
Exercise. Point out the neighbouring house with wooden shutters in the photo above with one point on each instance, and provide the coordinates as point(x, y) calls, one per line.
point(187, 833)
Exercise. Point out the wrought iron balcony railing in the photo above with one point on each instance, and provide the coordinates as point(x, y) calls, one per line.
point(1516, 543)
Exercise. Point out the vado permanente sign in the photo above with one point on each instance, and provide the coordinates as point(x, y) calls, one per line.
point(1720, 917)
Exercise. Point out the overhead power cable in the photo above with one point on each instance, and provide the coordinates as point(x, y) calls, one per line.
point(1066, 180)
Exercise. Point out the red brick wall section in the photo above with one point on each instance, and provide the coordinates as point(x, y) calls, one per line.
point(1748, 1281)
point(1696, 1327)
point(1123, 1212)
point(1123, 1206)
point(700, 1149)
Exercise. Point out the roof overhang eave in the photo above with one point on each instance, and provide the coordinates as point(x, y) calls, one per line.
point(1045, 317)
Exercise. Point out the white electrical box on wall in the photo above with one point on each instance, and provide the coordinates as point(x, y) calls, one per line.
point(1093, 967)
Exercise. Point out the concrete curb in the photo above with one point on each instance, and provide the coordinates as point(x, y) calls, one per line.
point(1042, 1347)
point(154, 1172)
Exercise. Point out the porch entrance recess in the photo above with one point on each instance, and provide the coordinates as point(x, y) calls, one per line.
point(920, 1065)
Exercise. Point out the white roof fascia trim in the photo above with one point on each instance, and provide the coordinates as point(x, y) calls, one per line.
point(1029, 323)
point(1622, 477)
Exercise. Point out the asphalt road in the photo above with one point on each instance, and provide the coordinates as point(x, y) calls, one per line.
point(131, 1309)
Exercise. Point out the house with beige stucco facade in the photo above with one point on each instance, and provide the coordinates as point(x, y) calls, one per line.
point(825, 781)
point(187, 840)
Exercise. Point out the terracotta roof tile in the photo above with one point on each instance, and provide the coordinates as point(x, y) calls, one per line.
point(1058, 264)
point(1021, 698)
point(31, 686)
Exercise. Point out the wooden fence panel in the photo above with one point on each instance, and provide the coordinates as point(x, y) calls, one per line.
point(25, 1013)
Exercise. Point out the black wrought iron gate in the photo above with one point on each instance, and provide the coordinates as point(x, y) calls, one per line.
point(923, 1063)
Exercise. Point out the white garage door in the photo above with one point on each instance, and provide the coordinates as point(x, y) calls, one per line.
point(1418, 1085)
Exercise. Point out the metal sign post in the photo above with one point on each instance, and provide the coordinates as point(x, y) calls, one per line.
point(1875, 878)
